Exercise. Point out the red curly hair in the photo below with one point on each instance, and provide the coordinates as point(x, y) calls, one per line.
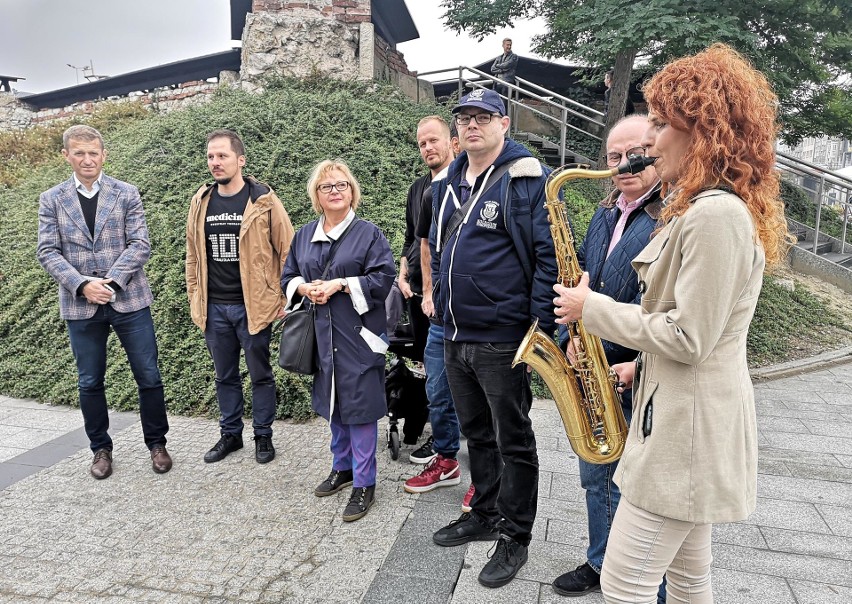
point(730, 110)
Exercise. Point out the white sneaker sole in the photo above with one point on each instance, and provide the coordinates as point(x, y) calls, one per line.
point(421, 460)
point(449, 482)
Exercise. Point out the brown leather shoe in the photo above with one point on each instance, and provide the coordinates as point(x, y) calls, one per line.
point(102, 464)
point(161, 461)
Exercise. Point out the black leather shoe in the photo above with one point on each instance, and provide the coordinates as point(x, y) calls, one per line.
point(161, 461)
point(579, 582)
point(264, 452)
point(359, 503)
point(101, 464)
point(504, 564)
point(227, 444)
point(337, 480)
point(467, 528)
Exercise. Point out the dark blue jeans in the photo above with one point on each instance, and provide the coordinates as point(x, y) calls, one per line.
point(226, 333)
point(135, 331)
point(493, 405)
point(442, 411)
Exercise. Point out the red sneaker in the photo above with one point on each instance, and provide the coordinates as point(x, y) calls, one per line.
point(440, 472)
point(466, 499)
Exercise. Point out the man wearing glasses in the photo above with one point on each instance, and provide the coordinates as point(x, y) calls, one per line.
point(494, 264)
point(237, 238)
point(618, 231)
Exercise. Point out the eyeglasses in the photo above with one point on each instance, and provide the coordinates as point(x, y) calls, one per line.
point(481, 118)
point(340, 185)
point(613, 159)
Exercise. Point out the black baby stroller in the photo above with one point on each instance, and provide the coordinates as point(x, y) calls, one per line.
point(405, 387)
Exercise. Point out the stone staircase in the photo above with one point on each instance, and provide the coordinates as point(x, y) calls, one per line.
point(549, 150)
point(828, 247)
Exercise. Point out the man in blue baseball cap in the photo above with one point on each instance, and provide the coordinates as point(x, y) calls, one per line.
point(493, 264)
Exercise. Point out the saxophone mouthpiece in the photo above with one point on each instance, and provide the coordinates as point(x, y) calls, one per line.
point(636, 164)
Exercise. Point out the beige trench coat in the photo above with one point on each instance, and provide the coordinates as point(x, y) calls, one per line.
point(702, 276)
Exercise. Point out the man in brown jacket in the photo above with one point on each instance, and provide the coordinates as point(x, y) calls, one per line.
point(237, 238)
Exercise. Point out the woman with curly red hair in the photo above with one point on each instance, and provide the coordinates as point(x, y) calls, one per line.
point(691, 454)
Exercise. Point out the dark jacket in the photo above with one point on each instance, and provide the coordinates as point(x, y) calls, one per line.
point(495, 275)
point(614, 276)
point(504, 67)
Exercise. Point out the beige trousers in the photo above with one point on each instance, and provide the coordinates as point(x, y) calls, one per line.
point(642, 547)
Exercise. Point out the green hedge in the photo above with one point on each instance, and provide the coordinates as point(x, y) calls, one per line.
point(287, 130)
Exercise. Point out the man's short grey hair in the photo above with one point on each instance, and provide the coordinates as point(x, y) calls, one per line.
point(83, 133)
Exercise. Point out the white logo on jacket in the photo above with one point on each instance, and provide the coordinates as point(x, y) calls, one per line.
point(488, 215)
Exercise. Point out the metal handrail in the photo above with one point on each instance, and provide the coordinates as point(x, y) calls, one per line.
point(828, 181)
point(565, 105)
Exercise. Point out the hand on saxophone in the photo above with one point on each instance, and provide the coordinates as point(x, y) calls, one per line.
point(569, 304)
point(625, 373)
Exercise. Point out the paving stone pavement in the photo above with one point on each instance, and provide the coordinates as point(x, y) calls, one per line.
point(237, 531)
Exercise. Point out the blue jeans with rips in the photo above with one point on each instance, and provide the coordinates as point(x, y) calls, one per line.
point(442, 411)
point(226, 333)
point(135, 331)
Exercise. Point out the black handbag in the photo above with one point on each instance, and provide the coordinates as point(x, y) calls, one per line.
point(298, 343)
point(297, 348)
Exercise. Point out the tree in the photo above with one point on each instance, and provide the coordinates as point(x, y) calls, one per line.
point(803, 46)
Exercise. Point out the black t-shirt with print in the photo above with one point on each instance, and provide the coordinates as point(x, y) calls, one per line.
point(222, 242)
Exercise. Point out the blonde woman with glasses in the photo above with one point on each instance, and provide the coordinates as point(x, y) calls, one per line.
point(349, 294)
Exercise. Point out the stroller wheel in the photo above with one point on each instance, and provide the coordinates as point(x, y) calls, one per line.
point(393, 443)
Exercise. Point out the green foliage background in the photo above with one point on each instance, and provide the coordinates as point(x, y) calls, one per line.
point(287, 130)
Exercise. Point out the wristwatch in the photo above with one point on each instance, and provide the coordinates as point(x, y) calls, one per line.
point(343, 284)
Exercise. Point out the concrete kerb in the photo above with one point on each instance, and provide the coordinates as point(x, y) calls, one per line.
point(800, 366)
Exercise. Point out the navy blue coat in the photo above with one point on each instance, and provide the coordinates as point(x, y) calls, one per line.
point(614, 276)
point(344, 356)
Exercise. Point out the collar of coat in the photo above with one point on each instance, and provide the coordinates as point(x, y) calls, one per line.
point(257, 189)
point(652, 206)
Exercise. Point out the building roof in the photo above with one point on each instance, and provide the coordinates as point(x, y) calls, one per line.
point(198, 68)
point(393, 21)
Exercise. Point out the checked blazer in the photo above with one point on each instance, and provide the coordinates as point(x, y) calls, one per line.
point(118, 250)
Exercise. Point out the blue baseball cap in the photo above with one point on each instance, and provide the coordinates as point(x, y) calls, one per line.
point(484, 99)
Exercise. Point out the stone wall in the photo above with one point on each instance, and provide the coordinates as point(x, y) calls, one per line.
point(15, 114)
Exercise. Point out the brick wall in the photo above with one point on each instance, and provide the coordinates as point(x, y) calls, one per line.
point(160, 99)
point(347, 11)
point(391, 57)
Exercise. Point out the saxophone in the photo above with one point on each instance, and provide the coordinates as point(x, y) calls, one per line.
point(585, 394)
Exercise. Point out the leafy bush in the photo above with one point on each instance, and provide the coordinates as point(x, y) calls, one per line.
point(286, 130)
point(799, 206)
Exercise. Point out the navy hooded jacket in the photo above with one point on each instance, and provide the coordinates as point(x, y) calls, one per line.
point(494, 276)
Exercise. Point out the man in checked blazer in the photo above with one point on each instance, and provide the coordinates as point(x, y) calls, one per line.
point(93, 240)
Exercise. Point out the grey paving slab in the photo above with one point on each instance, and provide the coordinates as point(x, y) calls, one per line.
point(818, 593)
point(792, 515)
point(782, 564)
point(807, 490)
point(736, 587)
point(838, 518)
point(811, 544)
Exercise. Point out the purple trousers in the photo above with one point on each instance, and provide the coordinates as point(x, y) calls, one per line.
point(354, 448)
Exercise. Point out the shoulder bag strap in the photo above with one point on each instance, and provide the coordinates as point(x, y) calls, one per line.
point(457, 217)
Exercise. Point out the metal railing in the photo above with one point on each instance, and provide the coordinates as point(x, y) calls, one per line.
point(825, 189)
point(524, 90)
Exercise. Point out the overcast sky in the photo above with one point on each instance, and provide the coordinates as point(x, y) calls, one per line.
point(40, 38)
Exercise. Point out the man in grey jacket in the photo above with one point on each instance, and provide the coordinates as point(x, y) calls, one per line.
point(504, 67)
point(93, 240)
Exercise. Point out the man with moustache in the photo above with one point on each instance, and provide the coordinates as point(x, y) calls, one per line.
point(238, 236)
point(494, 264)
point(621, 227)
point(93, 240)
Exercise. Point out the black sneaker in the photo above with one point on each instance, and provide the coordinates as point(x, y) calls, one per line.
point(582, 580)
point(504, 563)
point(467, 528)
point(424, 454)
point(264, 452)
point(359, 503)
point(227, 444)
point(337, 480)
